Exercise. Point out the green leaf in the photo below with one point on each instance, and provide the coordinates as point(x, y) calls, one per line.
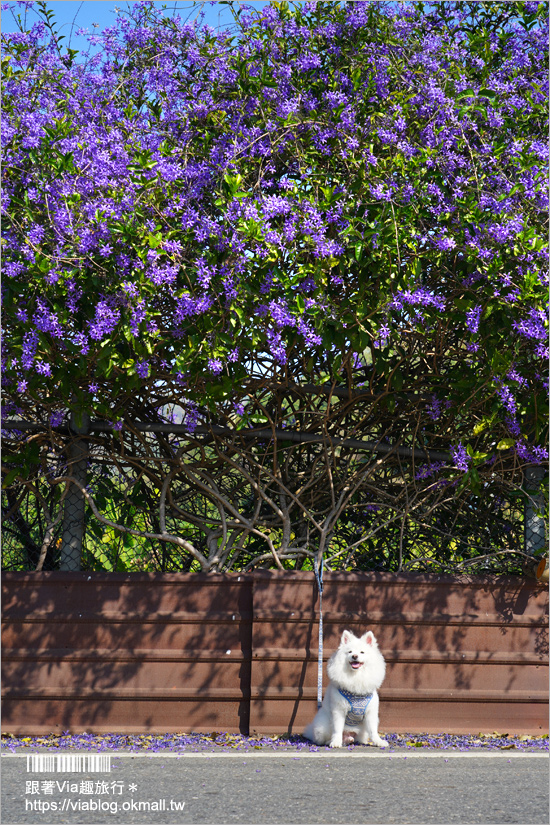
point(466, 93)
point(10, 478)
point(483, 424)
point(154, 240)
point(233, 182)
point(487, 93)
point(397, 380)
point(121, 566)
point(505, 443)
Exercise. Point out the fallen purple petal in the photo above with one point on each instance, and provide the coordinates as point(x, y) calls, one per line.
point(214, 742)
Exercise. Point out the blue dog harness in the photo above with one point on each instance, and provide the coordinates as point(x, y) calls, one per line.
point(358, 706)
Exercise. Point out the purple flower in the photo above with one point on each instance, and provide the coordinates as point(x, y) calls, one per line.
point(104, 322)
point(532, 454)
point(311, 337)
point(142, 369)
point(163, 274)
point(46, 321)
point(82, 343)
point(444, 243)
point(380, 192)
point(280, 313)
point(383, 336)
point(35, 234)
point(505, 232)
point(472, 319)
point(215, 366)
point(513, 375)
point(460, 457)
point(419, 297)
point(429, 470)
point(13, 268)
point(30, 342)
point(513, 426)
point(188, 306)
point(276, 346)
point(434, 408)
point(534, 326)
point(191, 417)
point(506, 396)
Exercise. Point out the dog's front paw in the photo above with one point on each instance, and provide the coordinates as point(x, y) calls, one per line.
point(335, 742)
point(380, 743)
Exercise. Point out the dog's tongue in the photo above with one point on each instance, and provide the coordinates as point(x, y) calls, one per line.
point(355, 665)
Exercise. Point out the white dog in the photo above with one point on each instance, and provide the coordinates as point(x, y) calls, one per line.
point(350, 706)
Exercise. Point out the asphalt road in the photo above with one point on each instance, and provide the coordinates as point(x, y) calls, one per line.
point(441, 788)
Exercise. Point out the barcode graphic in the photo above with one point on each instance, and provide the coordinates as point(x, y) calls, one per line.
point(68, 763)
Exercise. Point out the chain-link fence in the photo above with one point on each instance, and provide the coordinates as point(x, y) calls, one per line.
point(534, 523)
point(165, 501)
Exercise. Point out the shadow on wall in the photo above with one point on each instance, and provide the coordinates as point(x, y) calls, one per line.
point(133, 652)
point(460, 653)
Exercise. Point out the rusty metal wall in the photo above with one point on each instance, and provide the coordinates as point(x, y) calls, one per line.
point(462, 656)
point(190, 652)
point(133, 653)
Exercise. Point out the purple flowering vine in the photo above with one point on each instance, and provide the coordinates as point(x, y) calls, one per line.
point(185, 205)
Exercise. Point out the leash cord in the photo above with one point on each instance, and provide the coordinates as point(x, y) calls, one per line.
point(319, 577)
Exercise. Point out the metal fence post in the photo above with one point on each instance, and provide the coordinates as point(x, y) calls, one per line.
point(75, 503)
point(534, 527)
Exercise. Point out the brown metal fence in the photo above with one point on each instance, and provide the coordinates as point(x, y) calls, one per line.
point(147, 652)
point(153, 653)
point(462, 655)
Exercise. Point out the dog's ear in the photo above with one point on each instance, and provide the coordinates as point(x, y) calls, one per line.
point(346, 637)
point(369, 638)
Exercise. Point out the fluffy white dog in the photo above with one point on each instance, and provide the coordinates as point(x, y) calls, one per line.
point(350, 705)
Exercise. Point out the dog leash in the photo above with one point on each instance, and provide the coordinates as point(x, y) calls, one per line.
point(318, 568)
